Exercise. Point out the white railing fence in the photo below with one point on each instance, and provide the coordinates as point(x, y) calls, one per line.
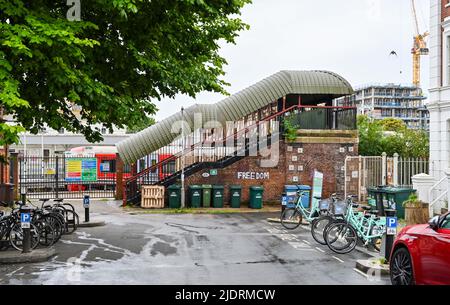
point(363, 172)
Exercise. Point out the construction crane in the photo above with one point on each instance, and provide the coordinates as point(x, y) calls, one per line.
point(419, 47)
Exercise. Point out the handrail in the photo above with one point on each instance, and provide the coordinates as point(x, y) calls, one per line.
point(188, 150)
point(430, 194)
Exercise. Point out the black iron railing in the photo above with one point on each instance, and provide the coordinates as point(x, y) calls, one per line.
point(325, 118)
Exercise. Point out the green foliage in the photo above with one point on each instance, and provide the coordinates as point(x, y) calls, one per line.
point(114, 63)
point(413, 201)
point(141, 125)
point(290, 131)
point(391, 136)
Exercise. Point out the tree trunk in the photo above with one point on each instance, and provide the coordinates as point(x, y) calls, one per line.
point(417, 214)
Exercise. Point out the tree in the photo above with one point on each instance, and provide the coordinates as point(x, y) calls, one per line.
point(391, 136)
point(120, 57)
point(141, 125)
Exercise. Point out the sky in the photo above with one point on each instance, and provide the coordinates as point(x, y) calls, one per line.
point(350, 37)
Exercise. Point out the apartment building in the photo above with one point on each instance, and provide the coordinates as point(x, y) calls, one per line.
point(380, 101)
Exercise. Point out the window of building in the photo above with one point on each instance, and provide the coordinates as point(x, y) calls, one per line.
point(448, 60)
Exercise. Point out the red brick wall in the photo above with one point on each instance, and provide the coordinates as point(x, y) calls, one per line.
point(327, 158)
point(445, 11)
point(4, 176)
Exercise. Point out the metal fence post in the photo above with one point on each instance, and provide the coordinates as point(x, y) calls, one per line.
point(383, 168)
point(56, 176)
point(395, 170)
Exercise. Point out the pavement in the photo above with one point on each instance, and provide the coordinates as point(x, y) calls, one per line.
point(222, 249)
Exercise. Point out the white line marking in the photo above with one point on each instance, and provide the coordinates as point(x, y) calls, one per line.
point(306, 242)
point(360, 272)
point(338, 259)
point(318, 249)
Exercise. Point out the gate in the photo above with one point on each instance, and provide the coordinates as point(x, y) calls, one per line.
point(67, 177)
point(365, 172)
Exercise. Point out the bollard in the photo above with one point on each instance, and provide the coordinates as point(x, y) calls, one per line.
point(25, 223)
point(391, 231)
point(86, 203)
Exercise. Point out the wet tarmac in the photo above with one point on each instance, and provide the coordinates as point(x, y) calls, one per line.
point(189, 249)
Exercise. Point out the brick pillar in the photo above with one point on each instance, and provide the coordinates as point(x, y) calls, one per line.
point(119, 177)
point(15, 164)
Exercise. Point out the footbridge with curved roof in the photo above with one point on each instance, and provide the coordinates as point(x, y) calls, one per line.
point(237, 106)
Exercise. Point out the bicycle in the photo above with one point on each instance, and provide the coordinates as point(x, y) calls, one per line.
point(11, 232)
point(292, 218)
point(342, 237)
point(337, 214)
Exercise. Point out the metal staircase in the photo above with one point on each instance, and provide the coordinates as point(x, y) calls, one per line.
point(132, 185)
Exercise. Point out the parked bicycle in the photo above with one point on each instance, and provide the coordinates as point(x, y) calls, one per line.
point(48, 223)
point(342, 237)
point(292, 218)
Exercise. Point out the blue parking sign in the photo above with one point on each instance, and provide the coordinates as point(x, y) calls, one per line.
point(25, 220)
point(86, 201)
point(391, 225)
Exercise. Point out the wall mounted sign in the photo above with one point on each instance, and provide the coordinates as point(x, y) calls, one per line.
point(213, 172)
point(205, 175)
point(317, 186)
point(253, 176)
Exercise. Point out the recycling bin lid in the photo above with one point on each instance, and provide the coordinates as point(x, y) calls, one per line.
point(398, 190)
point(195, 187)
point(288, 188)
point(207, 186)
point(174, 187)
point(218, 187)
point(257, 188)
point(236, 187)
point(304, 187)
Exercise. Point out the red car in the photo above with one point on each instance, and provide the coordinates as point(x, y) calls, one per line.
point(421, 254)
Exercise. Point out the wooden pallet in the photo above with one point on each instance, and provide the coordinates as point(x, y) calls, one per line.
point(152, 197)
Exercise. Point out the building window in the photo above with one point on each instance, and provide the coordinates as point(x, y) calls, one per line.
point(448, 60)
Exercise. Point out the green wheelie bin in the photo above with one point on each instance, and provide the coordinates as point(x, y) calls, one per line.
point(235, 196)
point(174, 196)
point(206, 195)
point(392, 194)
point(256, 197)
point(195, 196)
point(217, 196)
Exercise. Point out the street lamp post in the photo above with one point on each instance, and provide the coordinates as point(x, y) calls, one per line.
point(183, 199)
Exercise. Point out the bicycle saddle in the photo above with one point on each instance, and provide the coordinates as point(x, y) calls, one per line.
point(58, 200)
point(44, 200)
point(366, 208)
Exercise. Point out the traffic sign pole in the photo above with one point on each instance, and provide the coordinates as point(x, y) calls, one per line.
point(391, 231)
point(25, 223)
point(86, 204)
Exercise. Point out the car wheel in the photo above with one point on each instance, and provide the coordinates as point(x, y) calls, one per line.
point(401, 268)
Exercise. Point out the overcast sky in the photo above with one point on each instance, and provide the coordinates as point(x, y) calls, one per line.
point(350, 37)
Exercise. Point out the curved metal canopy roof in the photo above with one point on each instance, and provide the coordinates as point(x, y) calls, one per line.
point(235, 107)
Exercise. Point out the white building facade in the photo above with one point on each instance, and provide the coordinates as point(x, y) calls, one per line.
point(439, 103)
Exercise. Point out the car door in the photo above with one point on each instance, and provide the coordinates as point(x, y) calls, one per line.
point(433, 253)
point(442, 251)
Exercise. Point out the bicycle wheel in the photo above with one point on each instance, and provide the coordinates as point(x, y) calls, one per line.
point(16, 236)
point(57, 224)
point(47, 233)
point(318, 226)
point(72, 221)
point(344, 237)
point(325, 230)
point(291, 219)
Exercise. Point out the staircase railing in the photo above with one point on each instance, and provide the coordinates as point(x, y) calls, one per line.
point(439, 198)
point(148, 176)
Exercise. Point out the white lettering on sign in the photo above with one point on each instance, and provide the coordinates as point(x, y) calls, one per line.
point(253, 176)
